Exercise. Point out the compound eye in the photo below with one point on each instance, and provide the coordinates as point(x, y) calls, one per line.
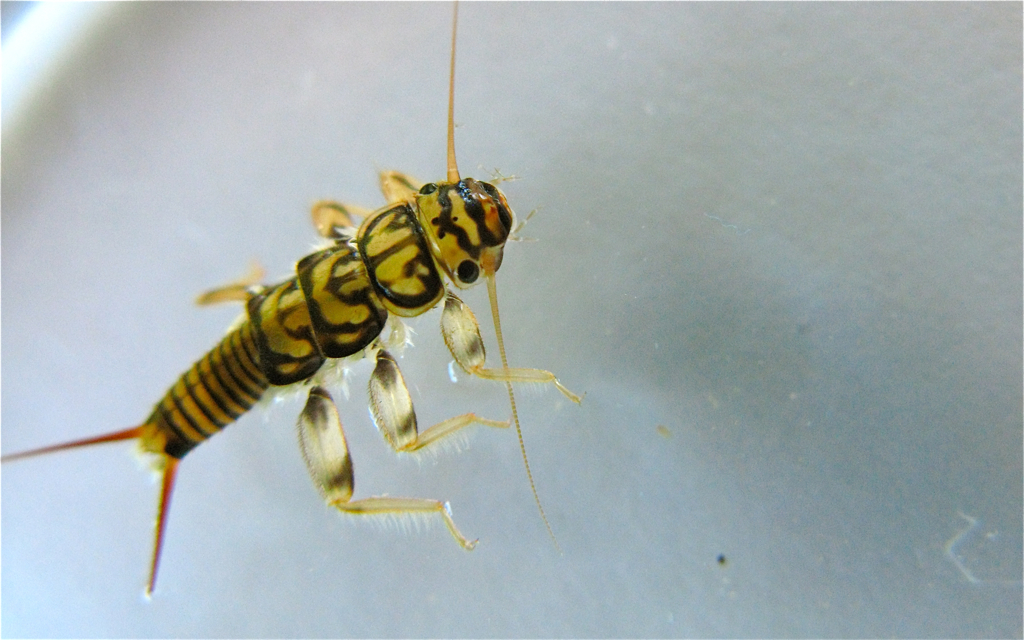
point(428, 189)
point(468, 271)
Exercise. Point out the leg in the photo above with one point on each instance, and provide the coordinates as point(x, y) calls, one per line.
point(462, 335)
point(398, 187)
point(388, 506)
point(516, 234)
point(333, 219)
point(394, 414)
point(326, 453)
point(497, 177)
point(238, 291)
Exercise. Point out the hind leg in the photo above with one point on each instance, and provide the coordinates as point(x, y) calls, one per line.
point(239, 291)
point(325, 450)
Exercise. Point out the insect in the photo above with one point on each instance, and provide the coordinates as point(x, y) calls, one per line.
point(342, 306)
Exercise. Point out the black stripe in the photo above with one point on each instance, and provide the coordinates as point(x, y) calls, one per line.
point(238, 386)
point(234, 344)
point(475, 210)
point(189, 387)
point(504, 215)
point(218, 395)
point(247, 339)
point(446, 225)
point(402, 217)
point(188, 418)
point(394, 248)
point(234, 369)
point(170, 424)
point(229, 389)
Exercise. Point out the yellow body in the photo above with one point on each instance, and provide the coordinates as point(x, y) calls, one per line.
point(216, 391)
point(338, 302)
point(336, 306)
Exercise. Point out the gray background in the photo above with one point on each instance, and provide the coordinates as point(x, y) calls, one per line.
point(790, 234)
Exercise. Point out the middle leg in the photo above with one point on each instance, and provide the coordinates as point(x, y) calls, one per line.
point(393, 411)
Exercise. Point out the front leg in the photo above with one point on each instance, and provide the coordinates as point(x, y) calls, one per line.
point(462, 335)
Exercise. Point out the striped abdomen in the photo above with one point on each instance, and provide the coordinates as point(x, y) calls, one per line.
point(215, 392)
point(335, 306)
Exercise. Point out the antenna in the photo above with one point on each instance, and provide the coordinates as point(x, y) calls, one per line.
point(453, 169)
point(492, 293)
point(453, 176)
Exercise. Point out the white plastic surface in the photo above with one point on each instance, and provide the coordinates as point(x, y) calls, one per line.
point(790, 234)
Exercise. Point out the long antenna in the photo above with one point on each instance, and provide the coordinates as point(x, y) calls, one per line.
point(453, 169)
point(492, 293)
point(453, 176)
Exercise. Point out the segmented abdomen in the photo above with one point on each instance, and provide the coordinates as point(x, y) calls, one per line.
point(335, 306)
point(215, 392)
